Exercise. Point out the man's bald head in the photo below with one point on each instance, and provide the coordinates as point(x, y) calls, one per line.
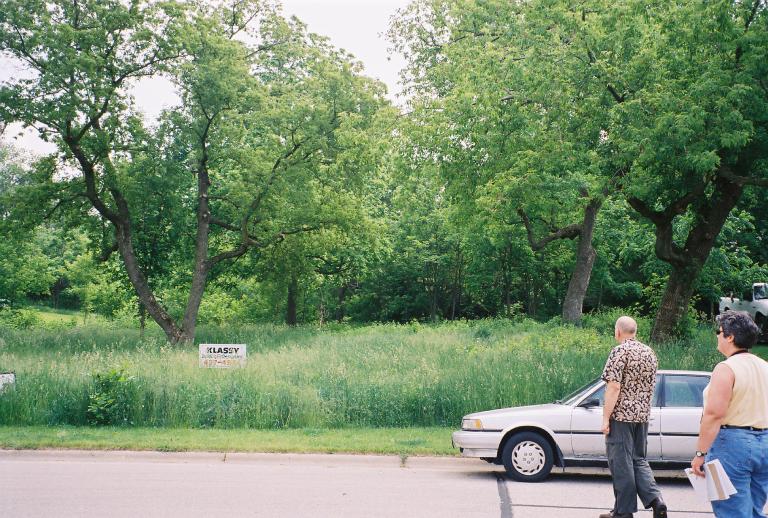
point(626, 327)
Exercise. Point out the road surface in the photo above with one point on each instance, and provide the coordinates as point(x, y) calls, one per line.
point(148, 484)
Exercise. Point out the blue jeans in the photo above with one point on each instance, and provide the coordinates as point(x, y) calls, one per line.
point(744, 456)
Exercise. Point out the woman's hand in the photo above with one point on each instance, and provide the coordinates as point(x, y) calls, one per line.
point(698, 466)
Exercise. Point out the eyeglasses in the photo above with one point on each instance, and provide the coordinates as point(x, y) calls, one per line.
point(718, 331)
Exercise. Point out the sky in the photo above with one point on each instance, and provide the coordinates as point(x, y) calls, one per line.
point(357, 26)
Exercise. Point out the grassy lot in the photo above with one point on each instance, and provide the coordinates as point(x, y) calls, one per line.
point(372, 378)
point(50, 315)
point(395, 441)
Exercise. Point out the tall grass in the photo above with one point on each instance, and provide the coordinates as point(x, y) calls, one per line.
point(379, 375)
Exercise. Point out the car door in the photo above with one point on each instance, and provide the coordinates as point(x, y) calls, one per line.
point(681, 408)
point(586, 422)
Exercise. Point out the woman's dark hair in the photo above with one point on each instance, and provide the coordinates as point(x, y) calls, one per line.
point(740, 326)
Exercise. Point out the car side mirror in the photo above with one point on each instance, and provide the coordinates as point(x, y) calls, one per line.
point(589, 403)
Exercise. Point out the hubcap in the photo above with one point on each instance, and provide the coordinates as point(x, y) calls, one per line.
point(528, 458)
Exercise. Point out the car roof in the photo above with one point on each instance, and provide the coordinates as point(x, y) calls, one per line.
point(694, 373)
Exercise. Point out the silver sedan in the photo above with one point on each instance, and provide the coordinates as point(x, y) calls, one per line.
point(530, 440)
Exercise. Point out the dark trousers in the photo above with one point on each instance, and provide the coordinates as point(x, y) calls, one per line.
point(626, 447)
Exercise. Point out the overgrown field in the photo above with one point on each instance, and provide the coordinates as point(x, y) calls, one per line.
point(374, 376)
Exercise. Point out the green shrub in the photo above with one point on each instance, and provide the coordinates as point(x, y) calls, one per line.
point(19, 318)
point(109, 402)
point(604, 320)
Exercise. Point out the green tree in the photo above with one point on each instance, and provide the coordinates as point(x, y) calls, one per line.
point(511, 138)
point(259, 129)
point(691, 123)
point(665, 101)
point(25, 268)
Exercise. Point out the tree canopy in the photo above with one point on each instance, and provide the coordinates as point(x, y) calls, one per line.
point(552, 158)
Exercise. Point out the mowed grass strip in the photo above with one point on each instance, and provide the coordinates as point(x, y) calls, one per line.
point(382, 441)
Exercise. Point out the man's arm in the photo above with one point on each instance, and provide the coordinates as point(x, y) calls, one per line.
point(718, 400)
point(612, 389)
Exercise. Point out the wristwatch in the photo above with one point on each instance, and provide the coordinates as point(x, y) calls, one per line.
point(701, 453)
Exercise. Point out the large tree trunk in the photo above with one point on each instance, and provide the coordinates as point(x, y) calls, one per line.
point(710, 214)
point(290, 312)
point(202, 263)
point(674, 302)
point(120, 218)
point(140, 284)
point(573, 304)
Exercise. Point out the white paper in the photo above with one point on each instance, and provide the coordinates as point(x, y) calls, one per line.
point(699, 484)
point(715, 485)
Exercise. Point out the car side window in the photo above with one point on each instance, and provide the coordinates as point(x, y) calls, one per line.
point(684, 391)
point(600, 393)
point(657, 392)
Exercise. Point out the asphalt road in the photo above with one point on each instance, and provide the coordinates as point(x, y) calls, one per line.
point(134, 484)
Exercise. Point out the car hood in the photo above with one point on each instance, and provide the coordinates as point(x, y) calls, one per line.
point(550, 415)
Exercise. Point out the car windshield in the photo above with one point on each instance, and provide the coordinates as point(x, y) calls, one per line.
point(760, 292)
point(573, 396)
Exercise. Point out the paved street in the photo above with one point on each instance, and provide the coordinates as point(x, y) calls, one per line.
point(129, 484)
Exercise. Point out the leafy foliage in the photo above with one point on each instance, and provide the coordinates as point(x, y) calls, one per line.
point(110, 398)
point(285, 187)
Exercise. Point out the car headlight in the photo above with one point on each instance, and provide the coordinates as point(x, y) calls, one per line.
point(471, 424)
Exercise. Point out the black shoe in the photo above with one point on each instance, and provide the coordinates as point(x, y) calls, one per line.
point(614, 514)
point(659, 508)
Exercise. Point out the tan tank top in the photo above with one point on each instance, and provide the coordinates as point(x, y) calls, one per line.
point(749, 402)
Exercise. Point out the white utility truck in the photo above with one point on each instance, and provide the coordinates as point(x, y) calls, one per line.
point(754, 302)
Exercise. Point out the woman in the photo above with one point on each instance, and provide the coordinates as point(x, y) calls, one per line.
point(734, 427)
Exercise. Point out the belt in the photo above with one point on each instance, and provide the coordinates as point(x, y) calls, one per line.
point(751, 428)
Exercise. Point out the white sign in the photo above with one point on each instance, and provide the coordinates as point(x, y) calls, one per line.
point(7, 378)
point(222, 356)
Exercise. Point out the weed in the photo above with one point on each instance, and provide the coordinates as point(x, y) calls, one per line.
point(109, 402)
point(383, 375)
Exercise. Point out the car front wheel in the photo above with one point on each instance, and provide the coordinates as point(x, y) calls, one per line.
point(528, 457)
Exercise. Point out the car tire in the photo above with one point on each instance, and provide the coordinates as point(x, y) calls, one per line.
point(528, 457)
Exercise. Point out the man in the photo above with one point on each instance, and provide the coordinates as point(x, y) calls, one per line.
point(630, 376)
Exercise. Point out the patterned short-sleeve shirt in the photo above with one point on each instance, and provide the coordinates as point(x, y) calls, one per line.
point(633, 365)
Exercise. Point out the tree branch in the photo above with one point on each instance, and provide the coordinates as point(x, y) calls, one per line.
point(61, 202)
point(752, 14)
point(243, 247)
point(250, 240)
point(665, 246)
point(729, 175)
point(568, 232)
point(89, 174)
point(107, 253)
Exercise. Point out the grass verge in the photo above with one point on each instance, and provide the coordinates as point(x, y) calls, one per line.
point(394, 441)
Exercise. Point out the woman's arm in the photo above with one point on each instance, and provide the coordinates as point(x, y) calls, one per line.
point(718, 399)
